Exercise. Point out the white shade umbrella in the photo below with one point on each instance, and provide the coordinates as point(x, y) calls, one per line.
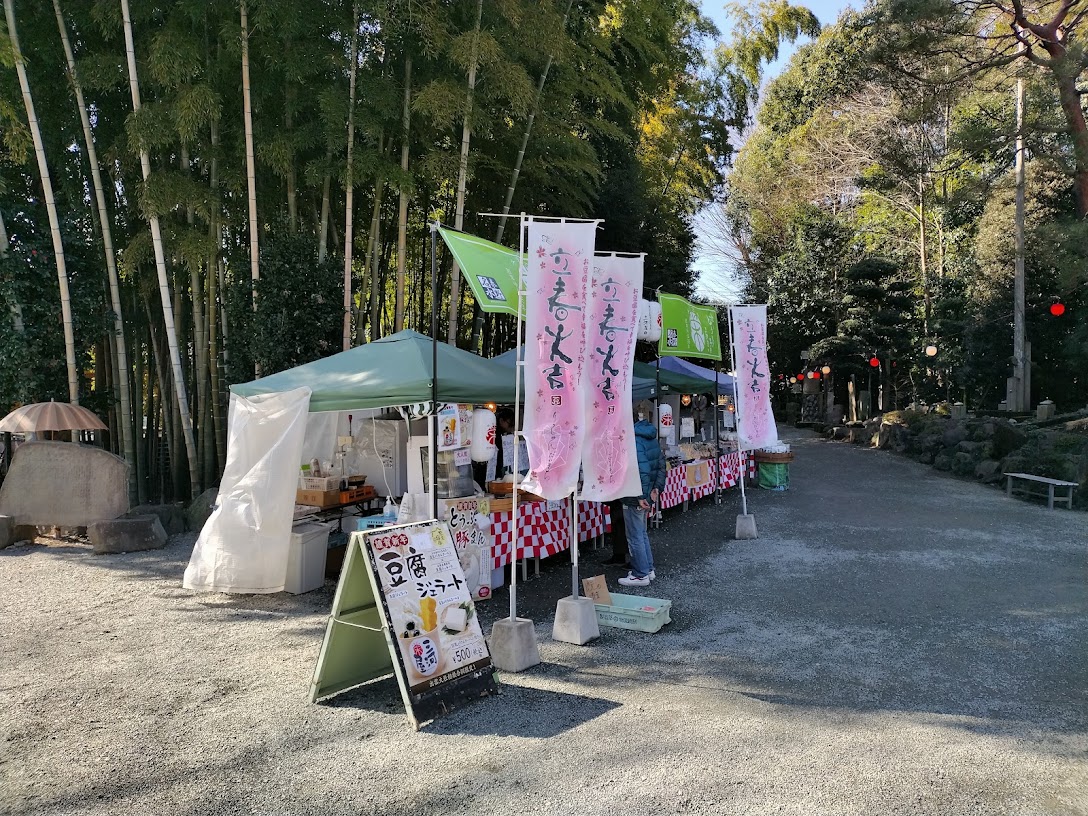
point(50, 416)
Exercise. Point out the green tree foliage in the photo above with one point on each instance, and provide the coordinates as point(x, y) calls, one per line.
point(903, 151)
point(292, 325)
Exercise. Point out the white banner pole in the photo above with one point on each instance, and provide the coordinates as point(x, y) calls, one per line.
point(519, 372)
point(574, 544)
point(736, 405)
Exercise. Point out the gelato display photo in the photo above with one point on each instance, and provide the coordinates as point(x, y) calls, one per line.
point(432, 616)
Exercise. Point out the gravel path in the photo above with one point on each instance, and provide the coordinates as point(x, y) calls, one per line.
point(896, 642)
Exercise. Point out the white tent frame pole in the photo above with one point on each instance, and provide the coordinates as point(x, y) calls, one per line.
point(717, 441)
point(736, 405)
point(433, 423)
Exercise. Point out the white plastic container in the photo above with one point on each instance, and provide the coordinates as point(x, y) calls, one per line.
point(306, 557)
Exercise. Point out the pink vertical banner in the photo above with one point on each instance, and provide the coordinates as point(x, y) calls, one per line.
point(556, 283)
point(609, 459)
point(755, 422)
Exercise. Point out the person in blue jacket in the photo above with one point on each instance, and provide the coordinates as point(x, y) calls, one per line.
point(651, 468)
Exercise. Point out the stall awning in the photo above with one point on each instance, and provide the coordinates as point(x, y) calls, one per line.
point(394, 370)
point(490, 269)
point(679, 367)
point(671, 382)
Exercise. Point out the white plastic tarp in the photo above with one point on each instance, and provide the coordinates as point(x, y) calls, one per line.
point(245, 543)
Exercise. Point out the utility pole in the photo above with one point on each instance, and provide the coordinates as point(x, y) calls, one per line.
point(1018, 397)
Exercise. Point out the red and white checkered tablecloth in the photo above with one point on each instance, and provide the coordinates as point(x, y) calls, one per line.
point(705, 489)
point(676, 487)
point(729, 468)
point(594, 520)
point(543, 532)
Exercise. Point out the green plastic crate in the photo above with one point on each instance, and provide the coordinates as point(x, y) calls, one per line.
point(774, 475)
point(634, 612)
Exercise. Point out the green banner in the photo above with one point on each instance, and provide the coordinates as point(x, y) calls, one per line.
point(688, 330)
point(490, 269)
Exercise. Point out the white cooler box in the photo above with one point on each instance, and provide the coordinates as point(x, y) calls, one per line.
point(306, 558)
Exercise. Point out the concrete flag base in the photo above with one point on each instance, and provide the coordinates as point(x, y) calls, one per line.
point(575, 621)
point(513, 645)
point(746, 528)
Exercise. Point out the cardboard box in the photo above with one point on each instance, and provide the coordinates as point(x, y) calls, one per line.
point(318, 498)
point(596, 588)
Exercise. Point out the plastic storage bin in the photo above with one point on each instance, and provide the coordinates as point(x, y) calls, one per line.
point(306, 557)
point(372, 523)
point(774, 475)
point(634, 612)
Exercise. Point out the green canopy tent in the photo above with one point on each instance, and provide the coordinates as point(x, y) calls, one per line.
point(245, 544)
point(673, 382)
point(392, 371)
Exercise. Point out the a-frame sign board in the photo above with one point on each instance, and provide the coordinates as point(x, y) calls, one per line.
point(402, 606)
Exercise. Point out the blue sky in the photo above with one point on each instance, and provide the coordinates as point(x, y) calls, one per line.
point(716, 277)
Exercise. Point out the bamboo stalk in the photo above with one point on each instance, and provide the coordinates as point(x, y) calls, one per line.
point(251, 166)
point(160, 266)
point(50, 206)
point(349, 181)
point(292, 196)
point(213, 320)
point(138, 431)
point(200, 340)
point(462, 173)
point(323, 227)
point(402, 211)
point(16, 307)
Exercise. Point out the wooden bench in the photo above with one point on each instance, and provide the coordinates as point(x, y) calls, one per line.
point(1050, 485)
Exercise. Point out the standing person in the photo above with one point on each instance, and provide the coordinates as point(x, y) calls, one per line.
point(504, 426)
point(651, 469)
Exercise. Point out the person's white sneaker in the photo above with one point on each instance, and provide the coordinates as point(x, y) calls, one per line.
point(630, 580)
point(651, 575)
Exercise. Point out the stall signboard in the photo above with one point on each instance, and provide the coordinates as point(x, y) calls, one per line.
point(404, 585)
point(698, 474)
point(755, 422)
point(469, 521)
point(609, 458)
point(508, 454)
point(687, 329)
point(454, 426)
point(556, 283)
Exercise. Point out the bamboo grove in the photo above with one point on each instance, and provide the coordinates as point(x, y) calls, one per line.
point(197, 192)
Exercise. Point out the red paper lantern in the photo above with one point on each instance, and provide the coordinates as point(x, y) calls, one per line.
point(815, 375)
point(1057, 309)
point(874, 362)
point(800, 376)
